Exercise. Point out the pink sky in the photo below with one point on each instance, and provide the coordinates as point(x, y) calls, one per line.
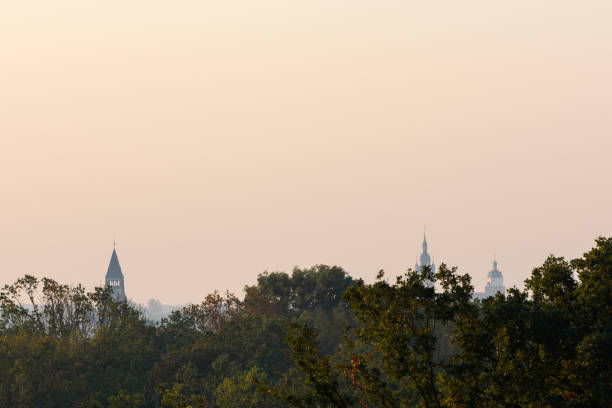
point(216, 140)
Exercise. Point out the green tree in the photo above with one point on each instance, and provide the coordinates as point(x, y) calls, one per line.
point(545, 346)
point(548, 345)
point(316, 288)
point(241, 391)
point(125, 400)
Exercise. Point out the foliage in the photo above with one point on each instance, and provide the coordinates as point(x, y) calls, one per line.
point(314, 289)
point(316, 338)
point(547, 345)
point(241, 391)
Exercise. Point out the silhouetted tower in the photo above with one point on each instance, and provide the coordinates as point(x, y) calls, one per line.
point(425, 260)
point(495, 281)
point(114, 277)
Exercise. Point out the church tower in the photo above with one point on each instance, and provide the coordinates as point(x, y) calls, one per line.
point(495, 281)
point(425, 260)
point(114, 277)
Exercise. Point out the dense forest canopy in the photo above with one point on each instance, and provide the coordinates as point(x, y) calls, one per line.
point(318, 338)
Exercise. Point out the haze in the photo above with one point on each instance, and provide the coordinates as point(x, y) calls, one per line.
point(216, 140)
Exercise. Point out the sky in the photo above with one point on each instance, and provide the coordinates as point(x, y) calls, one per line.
point(217, 140)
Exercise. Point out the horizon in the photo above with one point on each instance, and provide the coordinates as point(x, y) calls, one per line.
point(218, 141)
point(240, 294)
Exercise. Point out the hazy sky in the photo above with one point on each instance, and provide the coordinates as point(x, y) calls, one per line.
point(216, 140)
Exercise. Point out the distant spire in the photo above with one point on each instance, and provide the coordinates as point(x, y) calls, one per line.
point(114, 276)
point(494, 263)
point(425, 259)
point(114, 269)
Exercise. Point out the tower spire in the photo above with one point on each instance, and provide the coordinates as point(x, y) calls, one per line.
point(114, 277)
point(425, 259)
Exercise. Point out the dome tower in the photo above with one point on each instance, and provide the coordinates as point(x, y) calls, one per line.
point(495, 281)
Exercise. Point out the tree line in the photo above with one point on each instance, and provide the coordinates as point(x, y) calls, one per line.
point(319, 338)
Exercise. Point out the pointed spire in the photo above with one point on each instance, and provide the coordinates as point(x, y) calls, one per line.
point(114, 269)
point(494, 263)
point(114, 276)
